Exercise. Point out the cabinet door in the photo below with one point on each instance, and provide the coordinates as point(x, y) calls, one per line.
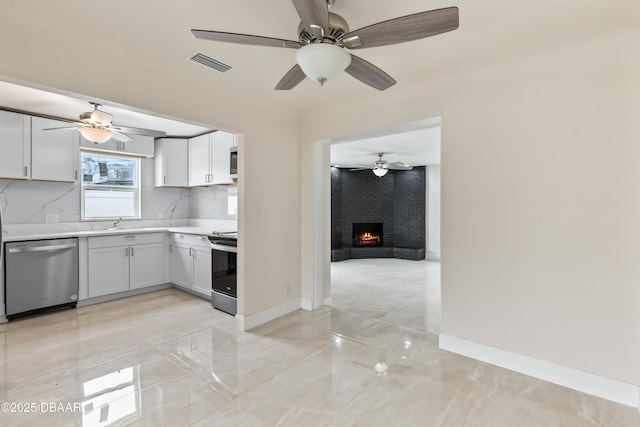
point(15, 145)
point(54, 153)
point(199, 160)
point(202, 270)
point(108, 270)
point(140, 144)
point(181, 265)
point(146, 265)
point(221, 143)
point(172, 162)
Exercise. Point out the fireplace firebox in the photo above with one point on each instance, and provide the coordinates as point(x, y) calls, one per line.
point(367, 234)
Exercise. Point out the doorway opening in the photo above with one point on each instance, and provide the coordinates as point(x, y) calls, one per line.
point(386, 263)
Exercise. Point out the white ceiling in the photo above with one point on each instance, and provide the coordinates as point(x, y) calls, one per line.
point(143, 45)
point(416, 148)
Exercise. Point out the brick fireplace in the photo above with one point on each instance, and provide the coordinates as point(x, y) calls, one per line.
point(375, 217)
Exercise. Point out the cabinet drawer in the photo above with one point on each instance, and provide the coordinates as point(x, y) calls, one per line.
point(190, 239)
point(125, 240)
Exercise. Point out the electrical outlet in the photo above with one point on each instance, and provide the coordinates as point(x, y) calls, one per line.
point(51, 218)
point(286, 289)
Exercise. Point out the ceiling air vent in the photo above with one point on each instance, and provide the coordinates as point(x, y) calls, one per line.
point(210, 62)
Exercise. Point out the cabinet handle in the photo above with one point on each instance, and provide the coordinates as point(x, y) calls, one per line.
point(170, 248)
point(181, 236)
point(126, 251)
point(124, 146)
point(190, 251)
point(26, 171)
point(75, 175)
point(164, 180)
point(132, 251)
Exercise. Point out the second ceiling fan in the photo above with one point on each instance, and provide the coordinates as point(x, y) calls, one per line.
point(324, 36)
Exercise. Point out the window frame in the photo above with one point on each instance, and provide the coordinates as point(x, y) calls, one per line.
point(135, 189)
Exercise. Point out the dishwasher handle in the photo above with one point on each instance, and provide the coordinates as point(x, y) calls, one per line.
point(45, 248)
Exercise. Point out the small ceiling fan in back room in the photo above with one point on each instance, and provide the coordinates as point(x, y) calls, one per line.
point(96, 126)
point(324, 37)
point(381, 167)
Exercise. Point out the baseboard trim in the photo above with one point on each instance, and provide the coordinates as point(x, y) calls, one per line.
point(606, 388)
point(306, 304)
point(244, 323)
point(125, 294)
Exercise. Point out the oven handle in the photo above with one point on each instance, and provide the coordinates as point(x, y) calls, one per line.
point(224, 248)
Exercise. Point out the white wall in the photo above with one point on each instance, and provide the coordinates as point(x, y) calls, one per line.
point(433, 212)
point(540, 205)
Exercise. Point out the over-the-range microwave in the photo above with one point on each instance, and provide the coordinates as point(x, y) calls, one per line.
point(233, 163)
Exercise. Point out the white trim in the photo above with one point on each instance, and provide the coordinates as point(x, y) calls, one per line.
point(306, 304)
point(244, 323)
point(328, 301)
point(432, 257)
point(596, 385)
point(3, 319)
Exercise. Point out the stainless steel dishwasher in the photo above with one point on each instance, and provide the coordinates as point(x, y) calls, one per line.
point(40, 275)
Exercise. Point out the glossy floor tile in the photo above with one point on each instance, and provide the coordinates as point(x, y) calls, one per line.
point(167, 358)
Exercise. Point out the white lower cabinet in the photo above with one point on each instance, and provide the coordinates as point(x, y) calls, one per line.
point(190, 259)
point(125, 262)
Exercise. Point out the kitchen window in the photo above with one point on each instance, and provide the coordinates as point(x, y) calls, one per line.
point(110, 186)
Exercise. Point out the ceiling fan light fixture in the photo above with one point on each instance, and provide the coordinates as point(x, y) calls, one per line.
point(322, 61)
point(96, 135)
point(380, 172)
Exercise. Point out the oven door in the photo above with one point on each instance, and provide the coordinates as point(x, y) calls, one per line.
point(224, 269)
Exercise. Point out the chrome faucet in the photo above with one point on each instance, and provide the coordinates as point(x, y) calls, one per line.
point(115, 223)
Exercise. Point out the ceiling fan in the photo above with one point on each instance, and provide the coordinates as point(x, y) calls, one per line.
point(381, 167)
point(323, 37)
point(96, 126)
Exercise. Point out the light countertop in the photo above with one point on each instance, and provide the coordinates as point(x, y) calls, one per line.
point(64, 230)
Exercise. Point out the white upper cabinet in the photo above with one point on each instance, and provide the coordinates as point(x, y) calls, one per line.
point(30, 152)
point(15, 145)
point(171, 162)
point(221, 143)
point(54, 153)
point(209, 157)
point(140, 145)
point(199, 160)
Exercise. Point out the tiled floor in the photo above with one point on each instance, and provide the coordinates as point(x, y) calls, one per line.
point(168, 358)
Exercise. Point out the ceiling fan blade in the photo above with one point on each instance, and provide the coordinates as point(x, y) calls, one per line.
point(65, 128)
point(360, 169)
point(138, 131)
point(120, 137)
point(220, 36)
point(399, 166)
point(404, 29)
point(290, 80)
point(314, 15)
point(369, 74)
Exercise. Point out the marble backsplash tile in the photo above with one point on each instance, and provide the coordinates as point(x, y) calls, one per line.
point(28, 202)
